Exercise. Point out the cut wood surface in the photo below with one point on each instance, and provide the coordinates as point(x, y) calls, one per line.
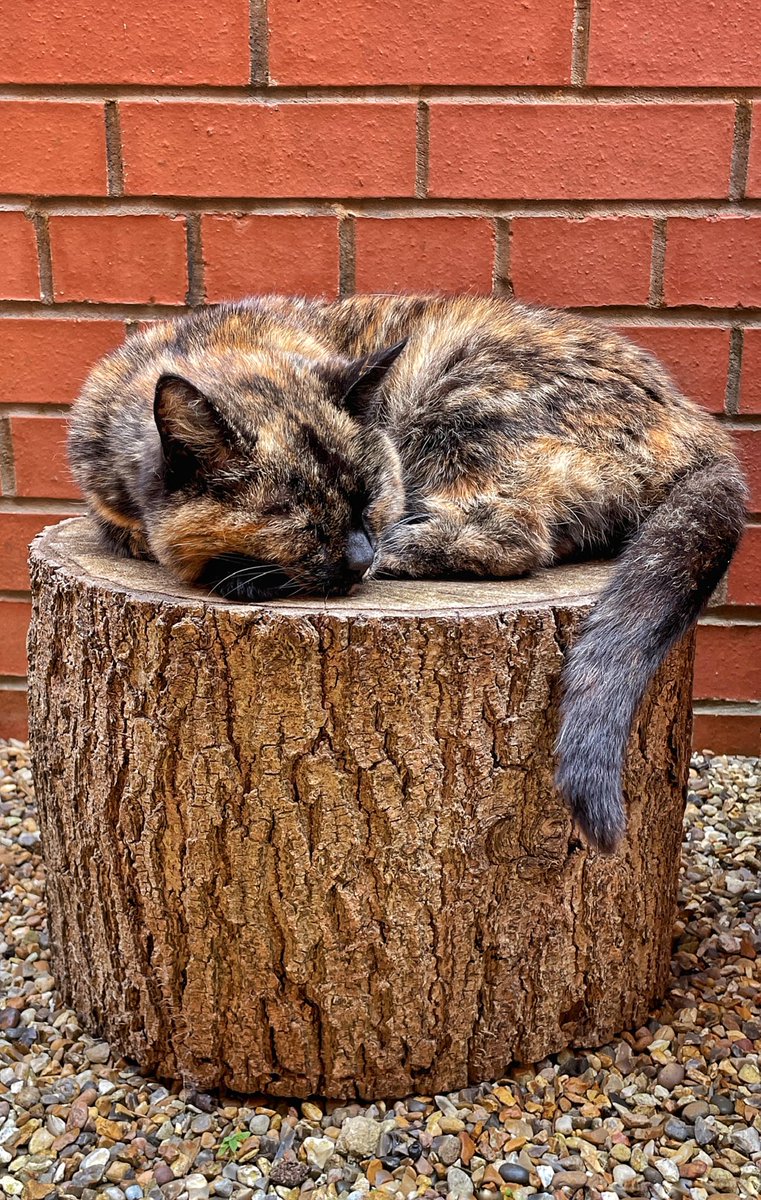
point(314, 847)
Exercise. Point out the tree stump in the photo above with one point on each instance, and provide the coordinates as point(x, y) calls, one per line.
point(314, 847)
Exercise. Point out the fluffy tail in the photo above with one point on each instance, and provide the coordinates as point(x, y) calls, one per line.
point(663, 579)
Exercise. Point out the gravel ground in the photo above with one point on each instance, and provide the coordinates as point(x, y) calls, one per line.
point(672, 1109)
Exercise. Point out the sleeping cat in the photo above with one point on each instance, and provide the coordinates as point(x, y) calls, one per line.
point(277, 447)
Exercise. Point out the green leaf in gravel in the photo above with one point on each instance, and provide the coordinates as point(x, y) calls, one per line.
point(232, 1142)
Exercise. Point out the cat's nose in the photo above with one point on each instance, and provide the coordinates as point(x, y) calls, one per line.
point(359, 553)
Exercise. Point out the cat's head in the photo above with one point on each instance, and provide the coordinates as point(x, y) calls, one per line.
point(277, 485)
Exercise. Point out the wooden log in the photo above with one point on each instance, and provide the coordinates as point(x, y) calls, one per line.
point(314, 848)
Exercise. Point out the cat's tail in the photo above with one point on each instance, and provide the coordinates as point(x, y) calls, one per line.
point(662, 581)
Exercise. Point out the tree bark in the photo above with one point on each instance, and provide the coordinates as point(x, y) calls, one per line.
point(314, 847)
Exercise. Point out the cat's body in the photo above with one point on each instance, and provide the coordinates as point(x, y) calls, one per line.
point(278, 446)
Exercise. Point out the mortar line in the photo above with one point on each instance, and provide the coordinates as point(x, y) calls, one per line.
point(114, 163)
point(732, 398)
point(501, 282)
point(637, 314)
point(580, 45)
point(7, 464)
point(422, 149)
point(379, 93)
point(54, 507)
point(347, 266)
point(259, 43)
point(379, 206)
point(738, 171)
point(196, 292)
point(44, 257)
point(13, 683)
point(657, 263)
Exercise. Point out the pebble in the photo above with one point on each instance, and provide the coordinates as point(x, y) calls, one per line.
point(249, 1176)
point(288, 1174)
point(99, 1053)
point(704, 1131)
point(259, 1124)
point(459, 1183)
point(514, 1173)
point(680, 1131)
point(698, 1108)
point(447, 1148)
point(671, 1075)
point(621, 1120)
point(359, 1137)
point(623, 1174)
point(318, 1151)
point(668, 1169)
point(746, 1139)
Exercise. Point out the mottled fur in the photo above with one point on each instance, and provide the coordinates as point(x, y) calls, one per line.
point(277, 446)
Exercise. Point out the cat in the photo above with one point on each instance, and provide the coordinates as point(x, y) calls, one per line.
point(278, 446)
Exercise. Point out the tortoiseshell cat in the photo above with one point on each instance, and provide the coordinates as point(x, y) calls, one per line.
point(278, 446)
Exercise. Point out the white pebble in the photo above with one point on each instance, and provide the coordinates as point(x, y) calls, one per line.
point(318, 1151)
point(96, 1158)
point(668, 1169)
point(545, 1173)
point(623, 1174)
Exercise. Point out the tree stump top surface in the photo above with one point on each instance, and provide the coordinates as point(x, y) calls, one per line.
point(74, 545)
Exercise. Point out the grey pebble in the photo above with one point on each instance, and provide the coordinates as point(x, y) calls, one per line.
point(99, 1053)
point(679, 1130)
point(448, 1148)
point(704, 1133)
point(746, 1139)
point(458, 1183)
point(259, 1124)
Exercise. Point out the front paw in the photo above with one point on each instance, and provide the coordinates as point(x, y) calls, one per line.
point(406, 550)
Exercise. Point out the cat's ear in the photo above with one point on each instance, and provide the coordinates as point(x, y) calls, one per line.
point(364, 376)
point(194, 435)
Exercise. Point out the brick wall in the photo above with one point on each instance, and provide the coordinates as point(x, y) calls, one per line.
point(604, 155)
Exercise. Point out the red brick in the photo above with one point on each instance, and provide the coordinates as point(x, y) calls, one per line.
point(713, 261)
point(749, 446)
point(744, 584)
point(581, 151)
point(727, 732)
point(109, 41)
point(46, 361)
point(728, 662)
point(245, 255)
point(13, 718)
point(596, 260)
point(17, 529)
point(19, 277)
point(14, 623)
point(697, 357)
point(39, 457)
point(47, 146)
point(420, 41)
point(750, 374)
point(201, 149)
point(426, 254)
point(687, 44)
point(126, 258)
